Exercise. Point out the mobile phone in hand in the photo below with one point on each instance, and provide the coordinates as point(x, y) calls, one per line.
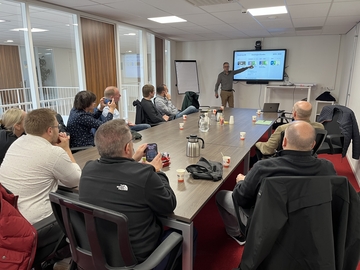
point(151, 151)
point(106, 101)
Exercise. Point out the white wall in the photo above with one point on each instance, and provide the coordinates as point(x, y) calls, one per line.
point(351, 42)
point(311, 59)
point(65, 67)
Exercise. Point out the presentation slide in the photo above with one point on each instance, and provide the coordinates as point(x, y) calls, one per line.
point(268, 65)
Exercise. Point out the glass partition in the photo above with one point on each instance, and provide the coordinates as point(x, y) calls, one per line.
point(132, 75)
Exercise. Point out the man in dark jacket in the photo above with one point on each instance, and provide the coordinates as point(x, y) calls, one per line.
point(152, 115)
point(295, 160)
point(117, 181)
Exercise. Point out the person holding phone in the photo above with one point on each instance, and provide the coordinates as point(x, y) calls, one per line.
point(113, 93)
point(138, 190)
point(82, 118)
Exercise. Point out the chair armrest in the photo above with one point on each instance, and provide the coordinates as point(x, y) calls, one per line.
point(329, 139)
point(76, 149)
point(160, 252)
point(44, 222)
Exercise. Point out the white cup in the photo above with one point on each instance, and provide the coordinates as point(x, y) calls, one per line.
point(231, 120)
point(181, 126)
point(184, 117)
point(242, 135)
point(180, 174)
point(258, 112)
point(226, 161)
point(254, 118)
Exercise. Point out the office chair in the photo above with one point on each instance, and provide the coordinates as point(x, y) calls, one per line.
point(334, 141)
point(319, 139)
point(304, 222)
point(99, 237)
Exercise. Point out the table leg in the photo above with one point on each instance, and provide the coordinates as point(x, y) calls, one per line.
point(246, 163)
point(188, 245)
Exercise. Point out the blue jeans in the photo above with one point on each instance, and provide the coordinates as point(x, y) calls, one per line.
point(188, 110)
point(140, 127)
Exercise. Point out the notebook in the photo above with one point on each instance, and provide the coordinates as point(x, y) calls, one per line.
point(271, 107)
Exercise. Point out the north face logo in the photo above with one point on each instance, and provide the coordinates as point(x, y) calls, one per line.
point(123, 187)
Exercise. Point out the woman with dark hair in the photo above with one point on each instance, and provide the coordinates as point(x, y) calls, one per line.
point(82, 118)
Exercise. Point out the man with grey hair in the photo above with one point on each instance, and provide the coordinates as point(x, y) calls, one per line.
point(301, 111)
point(117, 181)
point(295, 160)
point(112, 92)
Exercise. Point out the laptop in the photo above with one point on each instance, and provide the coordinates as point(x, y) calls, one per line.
point(271, 107)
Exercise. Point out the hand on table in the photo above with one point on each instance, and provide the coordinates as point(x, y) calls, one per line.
point(165, 117)
point(240, 177)
point(130, 124)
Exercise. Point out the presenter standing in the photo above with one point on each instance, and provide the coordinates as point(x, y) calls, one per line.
point(226, 78)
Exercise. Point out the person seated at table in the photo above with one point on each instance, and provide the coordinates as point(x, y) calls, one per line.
point(295, 160)
point(11, 128)
point(164, 105)
point(112, 92)
point(82, 119)
point(33, 167)
point(117, 181)
point(301, 111)
point(152, 115)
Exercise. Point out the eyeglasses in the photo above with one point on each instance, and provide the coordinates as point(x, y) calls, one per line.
point(58, 126)
point(226, 66)
point(131, 140)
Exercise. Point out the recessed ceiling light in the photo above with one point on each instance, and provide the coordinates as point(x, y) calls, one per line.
point(2, 21)
point(9, 41)
point(268, 11)
point(167, 19)
point(129, 51)
point(130, 34)
point(32, 29)
point(273, 17)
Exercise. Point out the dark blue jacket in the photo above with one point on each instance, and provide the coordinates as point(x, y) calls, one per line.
point(348, 126)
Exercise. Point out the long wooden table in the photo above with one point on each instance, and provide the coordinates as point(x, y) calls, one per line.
point(193, 194)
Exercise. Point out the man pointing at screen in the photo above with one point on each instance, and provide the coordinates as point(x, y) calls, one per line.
point(226, 78)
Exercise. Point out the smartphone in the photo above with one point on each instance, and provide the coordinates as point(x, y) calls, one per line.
point(106, 101)
point(151, 151)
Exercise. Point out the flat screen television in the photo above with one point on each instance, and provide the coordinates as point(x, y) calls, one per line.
point(269, 65)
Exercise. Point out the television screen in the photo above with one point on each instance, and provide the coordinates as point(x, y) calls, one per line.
point(268, 65)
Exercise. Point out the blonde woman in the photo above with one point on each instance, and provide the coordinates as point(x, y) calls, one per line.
point(12, 127)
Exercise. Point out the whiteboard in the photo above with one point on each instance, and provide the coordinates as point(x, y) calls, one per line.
point(186, 76)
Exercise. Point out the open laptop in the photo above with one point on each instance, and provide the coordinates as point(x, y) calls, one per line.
point(271, 107)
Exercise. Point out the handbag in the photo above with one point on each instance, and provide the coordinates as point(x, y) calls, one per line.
point(206, 170)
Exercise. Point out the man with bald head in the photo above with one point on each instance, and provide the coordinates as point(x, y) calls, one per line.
point(301, 111)
point(295, 160)
point(112, 92)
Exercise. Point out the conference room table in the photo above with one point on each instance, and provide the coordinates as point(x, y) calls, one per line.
point(193, 194)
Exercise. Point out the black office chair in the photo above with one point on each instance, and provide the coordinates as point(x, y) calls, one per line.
point(319, 139)
point(304, 222)
point(334, 141)
point(99, 237)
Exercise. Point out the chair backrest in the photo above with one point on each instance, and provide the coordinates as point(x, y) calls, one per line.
point(191, 98)
point(140, 114)
point(300, 221)
point(98, 237)
point(319, 139)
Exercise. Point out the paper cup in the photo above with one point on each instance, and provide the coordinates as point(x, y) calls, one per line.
point(226, 161)
point(242, 135)
point(258, 112)
point(231, 120)
point(181, 126)
point(184, 117)
point(180, 175)
point(254, 118)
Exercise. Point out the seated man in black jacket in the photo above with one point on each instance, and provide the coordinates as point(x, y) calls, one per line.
point(117, 181)
point(294, 160)
point(152, 115)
